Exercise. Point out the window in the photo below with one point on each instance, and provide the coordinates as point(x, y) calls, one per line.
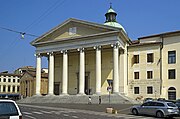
point(149, 90)
point(13, 90)
point(149, 74)
point(9, 88)
point(150, 57)
point(136, 75)
point(4, 88)
point(171, 57)
point(18, 80)
point(136, 59)
point(0, 88)
point(4, 80)
point(9, 80)
point(18, 89)
point(72, 31)
point(171, 73)
point(136, 90)
point(14, 80)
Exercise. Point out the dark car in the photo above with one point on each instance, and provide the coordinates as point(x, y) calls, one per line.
point(178, 105)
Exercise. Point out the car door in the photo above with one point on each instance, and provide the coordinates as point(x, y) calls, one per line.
point(144, 108)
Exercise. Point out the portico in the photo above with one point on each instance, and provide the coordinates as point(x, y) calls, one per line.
point(114, 48)
point(83, 57)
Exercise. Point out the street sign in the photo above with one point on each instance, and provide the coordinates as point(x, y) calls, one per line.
point(109, 88)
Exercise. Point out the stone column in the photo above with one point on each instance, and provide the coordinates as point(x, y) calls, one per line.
point(116, 69)
point(98, 69)
point(81, 72)
point(51, 74)
point(38, 74)
point(65, 73)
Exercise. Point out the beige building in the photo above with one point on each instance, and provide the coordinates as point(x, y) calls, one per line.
point(86, 58)
point(9, 85)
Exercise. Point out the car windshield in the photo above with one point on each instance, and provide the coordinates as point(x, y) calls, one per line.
point(171, 104)
point(8, 109)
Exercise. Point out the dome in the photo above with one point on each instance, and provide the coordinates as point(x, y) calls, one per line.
point(111, 19)
point(115, 24)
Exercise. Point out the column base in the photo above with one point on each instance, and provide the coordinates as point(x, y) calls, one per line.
point(81, 94)
point(50, 95)
point(37, 95)
point(97, 93)
point(64, 94)
point(116, 93)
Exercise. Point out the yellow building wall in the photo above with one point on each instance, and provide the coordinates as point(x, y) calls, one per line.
point(90, 63)
point(142, 67)
point(170, 44)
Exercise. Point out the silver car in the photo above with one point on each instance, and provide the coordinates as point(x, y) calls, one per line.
point(159, 109)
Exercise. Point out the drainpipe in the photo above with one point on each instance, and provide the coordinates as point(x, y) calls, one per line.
point(161, 47)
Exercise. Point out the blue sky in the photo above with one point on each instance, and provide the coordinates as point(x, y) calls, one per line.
point(139, 18)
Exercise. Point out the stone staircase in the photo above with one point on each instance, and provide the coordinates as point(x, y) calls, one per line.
point(79, 99)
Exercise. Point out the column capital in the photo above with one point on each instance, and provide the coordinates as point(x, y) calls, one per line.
point(50, 53)
point(64, 51)
point(37, 55)
point(97, 47)
point(115, 45)
point(80, 49)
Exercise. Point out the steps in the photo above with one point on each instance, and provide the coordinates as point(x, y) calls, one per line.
point(79, 99)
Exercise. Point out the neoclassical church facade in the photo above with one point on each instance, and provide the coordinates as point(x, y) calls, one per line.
point(86, 58)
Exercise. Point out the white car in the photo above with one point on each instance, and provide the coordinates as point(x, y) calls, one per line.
point(9, 110)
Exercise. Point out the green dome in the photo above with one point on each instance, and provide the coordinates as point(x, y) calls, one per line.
point(111, 19)
point(115, 24)
point(111, 11)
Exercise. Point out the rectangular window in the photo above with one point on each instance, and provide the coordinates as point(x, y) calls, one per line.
point(9, 80)
point(17, 88)
point(4, 80)
point(136, 59)
point(4, 88)
point(14, 80)
point(9, 88)
point(72, 31)
point(149, 90)
point(136, 90)
point(13, 89)
point(149, 74)
point(136, 75)
point(171, 57)
point(150, 58)
point(172, 74)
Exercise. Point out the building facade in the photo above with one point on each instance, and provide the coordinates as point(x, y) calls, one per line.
point(87, 58)
point(9, 85)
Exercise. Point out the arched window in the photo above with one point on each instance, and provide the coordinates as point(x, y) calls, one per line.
point(172, 93)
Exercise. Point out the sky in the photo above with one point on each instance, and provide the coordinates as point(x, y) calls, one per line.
point(138, 17)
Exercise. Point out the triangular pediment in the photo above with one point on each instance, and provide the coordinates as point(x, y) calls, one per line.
point(73, 28)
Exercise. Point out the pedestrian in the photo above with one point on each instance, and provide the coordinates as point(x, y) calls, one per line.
point(89, 100)
point(99, 99)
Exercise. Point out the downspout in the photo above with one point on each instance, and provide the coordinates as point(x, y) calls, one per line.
point(161, 47)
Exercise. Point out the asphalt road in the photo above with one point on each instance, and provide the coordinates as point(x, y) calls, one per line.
point(74, 111)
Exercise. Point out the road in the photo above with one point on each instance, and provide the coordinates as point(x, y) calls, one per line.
point(49, 112)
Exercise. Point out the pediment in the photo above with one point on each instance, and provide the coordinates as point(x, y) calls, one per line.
point(73, 28)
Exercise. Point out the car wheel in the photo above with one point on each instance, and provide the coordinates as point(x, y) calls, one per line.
point(159, 114)
point(134, 111)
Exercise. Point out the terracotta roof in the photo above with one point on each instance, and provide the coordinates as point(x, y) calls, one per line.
point(9, 74)
point(143, 44)
point(33, 74)
point(161, 34)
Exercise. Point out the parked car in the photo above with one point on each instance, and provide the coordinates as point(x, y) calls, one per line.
point(159, 109)
point(9, 110)
point(178, 104)
point(148, 99)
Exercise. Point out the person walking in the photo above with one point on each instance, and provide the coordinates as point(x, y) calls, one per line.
point(89, 100)
point(99, 99)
